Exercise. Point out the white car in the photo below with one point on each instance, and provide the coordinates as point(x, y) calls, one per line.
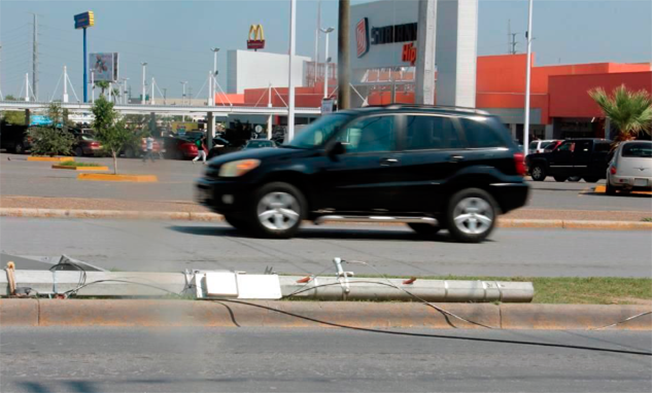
point(542, 146)
point(631, 167)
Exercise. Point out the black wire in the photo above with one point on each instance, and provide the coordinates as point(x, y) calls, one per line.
point(427, 335)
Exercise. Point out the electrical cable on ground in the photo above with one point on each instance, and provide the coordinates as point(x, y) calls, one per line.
point(624, 320)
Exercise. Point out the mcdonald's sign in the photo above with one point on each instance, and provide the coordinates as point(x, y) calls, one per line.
point(256, 37)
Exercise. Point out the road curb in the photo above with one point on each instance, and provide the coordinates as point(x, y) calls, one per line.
point(117, 178)
point(81, 168)
point(49, 159)
point(170, 313)
point(212, 217)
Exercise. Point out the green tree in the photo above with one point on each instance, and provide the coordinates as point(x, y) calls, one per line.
point(53, 139)
point(10, 97)
point(110, 130)
point(629, 112)
point(14, 117)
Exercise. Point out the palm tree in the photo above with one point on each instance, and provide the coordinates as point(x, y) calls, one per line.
point(103, 85)
point(630, 112)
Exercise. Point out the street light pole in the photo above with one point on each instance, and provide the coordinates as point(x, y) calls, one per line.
point(317, 30)
point(143, 99)
point(343, 59)
point(327, 32)
point(528, 37)
point(293, 31)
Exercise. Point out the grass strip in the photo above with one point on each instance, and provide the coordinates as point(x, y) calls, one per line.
point(76, 163)
point(571, 290)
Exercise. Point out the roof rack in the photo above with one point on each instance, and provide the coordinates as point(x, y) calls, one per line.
point(442, 107)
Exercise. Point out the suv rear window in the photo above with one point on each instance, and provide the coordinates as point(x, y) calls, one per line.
point(431, 132)
point(480, 133)
point(637, 149)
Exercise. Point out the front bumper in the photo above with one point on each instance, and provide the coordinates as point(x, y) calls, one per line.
point(222, 196)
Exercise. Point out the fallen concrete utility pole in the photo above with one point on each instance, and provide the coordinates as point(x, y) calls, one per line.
point(224, 284)
point(330, 288)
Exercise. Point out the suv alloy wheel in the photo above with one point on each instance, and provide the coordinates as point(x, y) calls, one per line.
point(538, 172)
point(471, 215)
point(277, 210)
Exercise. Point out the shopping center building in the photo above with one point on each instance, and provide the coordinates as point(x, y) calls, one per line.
point(383, 52)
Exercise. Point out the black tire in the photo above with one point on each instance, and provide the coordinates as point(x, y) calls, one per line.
point(424, 229)
point(79, 152)
point(481, 210)
point(538, 172)
point(574, 179)
point(591, 179)
point(273, 197)
point(237, 223)
point(611, 190)
point(560, 179)
point(19, 148)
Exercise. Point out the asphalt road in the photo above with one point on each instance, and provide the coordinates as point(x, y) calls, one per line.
point(395, 250)
point(93, 360)
point(20, 177)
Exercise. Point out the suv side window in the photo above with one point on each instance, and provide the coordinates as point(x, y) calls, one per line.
point(371, 134)
point(431, 132)
point(480, 135)
point(566, 146)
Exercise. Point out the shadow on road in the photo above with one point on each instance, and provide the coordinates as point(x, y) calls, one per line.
point(323, 233)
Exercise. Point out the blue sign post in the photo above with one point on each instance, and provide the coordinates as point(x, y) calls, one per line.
point(83, 21)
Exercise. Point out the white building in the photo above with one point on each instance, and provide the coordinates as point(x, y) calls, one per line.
point(247, 69)
point(382, 41)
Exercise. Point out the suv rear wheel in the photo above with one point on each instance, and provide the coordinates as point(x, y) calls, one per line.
point(424, 229)
point(471, 215)
point(277, 210)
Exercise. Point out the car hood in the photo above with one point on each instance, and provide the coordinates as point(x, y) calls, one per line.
point(260, 154)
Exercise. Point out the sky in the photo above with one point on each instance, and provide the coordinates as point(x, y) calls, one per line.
point(175, 37)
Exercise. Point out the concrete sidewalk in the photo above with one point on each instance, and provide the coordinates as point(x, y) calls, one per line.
point(235, 313)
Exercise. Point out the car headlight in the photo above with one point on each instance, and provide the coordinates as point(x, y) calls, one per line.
point(238, 168)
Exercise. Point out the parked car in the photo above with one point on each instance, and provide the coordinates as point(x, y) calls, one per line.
point(221, 146)
point(259, 144)
point(14, 138)
point(432, 168)
point(631, 168)
point(85, 144)
point(179, 148)
point(136, 151)
point(585, 158)
point(543, 146)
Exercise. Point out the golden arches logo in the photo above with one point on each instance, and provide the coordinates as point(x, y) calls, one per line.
point(256, 33)
point(256, 37)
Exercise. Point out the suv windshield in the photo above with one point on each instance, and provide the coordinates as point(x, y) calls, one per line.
point(316, 133)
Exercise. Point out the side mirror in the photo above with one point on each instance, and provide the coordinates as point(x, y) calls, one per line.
point(337, 149)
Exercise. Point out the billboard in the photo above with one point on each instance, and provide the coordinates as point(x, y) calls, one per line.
point(84, 20)
point(104, 66)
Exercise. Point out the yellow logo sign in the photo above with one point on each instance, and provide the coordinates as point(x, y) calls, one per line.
point(256, 37)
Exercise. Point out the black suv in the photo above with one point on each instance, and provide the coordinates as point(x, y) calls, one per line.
point(429, 167)
point(14, 138)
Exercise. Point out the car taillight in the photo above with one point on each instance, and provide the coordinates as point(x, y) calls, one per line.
point(95, 144)
point(519, 161)
point(613, 170)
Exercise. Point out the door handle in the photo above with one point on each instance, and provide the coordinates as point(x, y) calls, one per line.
point(455, 158)
point(388, 161)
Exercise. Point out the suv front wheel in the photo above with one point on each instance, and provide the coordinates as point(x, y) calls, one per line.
point(277, 210)
point(471, 215)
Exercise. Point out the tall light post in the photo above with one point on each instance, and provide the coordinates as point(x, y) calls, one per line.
point(317, 30)
point(143, 99)
point(215, 50)
point(528, 37)
point(293, 33)
point(327, 32)
point(183, 92)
